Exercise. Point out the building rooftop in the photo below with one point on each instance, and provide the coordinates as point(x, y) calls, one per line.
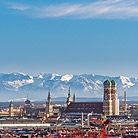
point(85, 107)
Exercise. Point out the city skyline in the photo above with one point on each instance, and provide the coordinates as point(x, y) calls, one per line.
point(68, 68)
point(69, 37)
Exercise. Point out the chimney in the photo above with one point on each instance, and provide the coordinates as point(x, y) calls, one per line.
point(125, 106)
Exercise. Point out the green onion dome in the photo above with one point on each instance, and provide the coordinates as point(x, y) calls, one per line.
point(11, 104)
point(113, 82)
point(107, 82)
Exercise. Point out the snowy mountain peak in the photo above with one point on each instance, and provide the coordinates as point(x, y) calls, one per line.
point(87, 85)
point(126, 82)
point(40, 76)
point(67, 77)
point(54, 76)
point(93, 75)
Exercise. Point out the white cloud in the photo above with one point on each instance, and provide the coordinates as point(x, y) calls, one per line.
point(20, 7)
point(18, 100)
point(99, 9)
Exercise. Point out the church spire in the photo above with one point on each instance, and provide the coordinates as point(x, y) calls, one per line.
point(49, 97)
point(74, 98)
point(69, 95)
point(49, 94)
point(69, 99)
point(27, 96)
point(49, 106)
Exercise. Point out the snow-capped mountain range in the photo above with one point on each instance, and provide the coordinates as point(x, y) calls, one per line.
point(17, 85)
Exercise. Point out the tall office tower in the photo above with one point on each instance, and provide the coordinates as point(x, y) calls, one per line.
point(125, 106)
point(114, 98)
point(107, 101)
point(11, 109)
point(69, 99)
point(49, 106)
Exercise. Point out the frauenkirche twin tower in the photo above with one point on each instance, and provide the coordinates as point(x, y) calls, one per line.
point(110, 99)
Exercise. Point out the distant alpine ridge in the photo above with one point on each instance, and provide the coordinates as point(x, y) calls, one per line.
point(18, 85)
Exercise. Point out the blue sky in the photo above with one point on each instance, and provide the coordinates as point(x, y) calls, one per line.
point(69, 36)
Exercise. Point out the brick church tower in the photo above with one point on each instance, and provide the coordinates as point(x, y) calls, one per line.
point(110, 99)
point(114, 97)
point(107, 102)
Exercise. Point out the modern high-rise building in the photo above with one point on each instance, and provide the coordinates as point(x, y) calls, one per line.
point(49, 106)
point(110, 99)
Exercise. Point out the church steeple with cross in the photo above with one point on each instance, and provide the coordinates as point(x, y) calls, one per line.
point(69, 99)
point(49, 106)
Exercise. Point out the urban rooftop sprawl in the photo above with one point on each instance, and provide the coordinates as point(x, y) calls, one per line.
point(71, 118)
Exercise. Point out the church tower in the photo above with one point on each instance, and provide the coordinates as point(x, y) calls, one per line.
point(114, 98)
point(11, 109)
point(28, 106)
point(69, 99)
point(49, 106)
point(107, 101)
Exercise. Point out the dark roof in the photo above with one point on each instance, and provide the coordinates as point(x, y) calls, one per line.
point(27, 102)
point(53, 116)
point(85, 107)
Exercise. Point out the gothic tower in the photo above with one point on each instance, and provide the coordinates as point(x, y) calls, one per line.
point(107, 101)
point(114, 98)
point(28, 106)
point(49, 106)
point(74, 98)
point(69, 99)
point(11, 109)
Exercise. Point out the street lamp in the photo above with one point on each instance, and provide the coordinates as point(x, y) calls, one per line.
point(88, 118)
